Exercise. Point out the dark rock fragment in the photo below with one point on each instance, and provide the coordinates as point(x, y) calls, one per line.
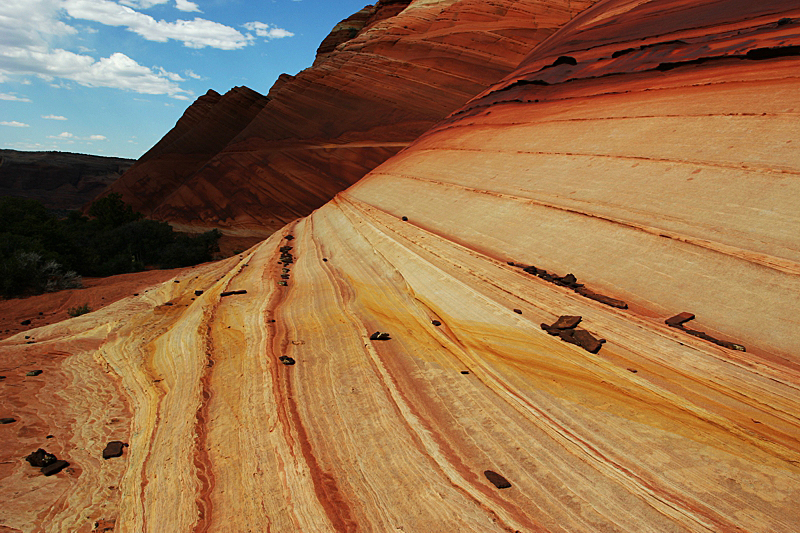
point(285, 248)
point(374, 336)
point(518, 311)
point(531, 270)
point(283, 283)
point(325, 259)
point(566, 322)
point(633, 370)
point(511, 263)
point(34, 373)
point(587, 341)
point(384, 337)
point(784, 21)
point(2, 378)
point(55, 467)
point(436, 323)
point(25, 323)
point(405, 219)
point(465, 372)
point(289, 237)
point(602, 298)
point(198, 292)
point(284, 276)
point(679, 320)
point(41, 458)
point(7, 420)
point(496, 479)
point(286, 360)
point(231, 293)
point(176, 281)
point(114, 449)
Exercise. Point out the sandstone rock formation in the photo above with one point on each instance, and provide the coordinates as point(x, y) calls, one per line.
point(667, 186)
point(381, 78)
point(60, 180)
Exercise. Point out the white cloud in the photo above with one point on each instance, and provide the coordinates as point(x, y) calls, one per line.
point(270, 31)
point(186, 5)
point(36, 35)
point(13, 98)
point(97, 137)
point(197, 33)
point(193, 75)
point(62, 135)
point(54, 117)
point(14, 124)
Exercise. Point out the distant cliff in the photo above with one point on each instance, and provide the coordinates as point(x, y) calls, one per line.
point(60, 180)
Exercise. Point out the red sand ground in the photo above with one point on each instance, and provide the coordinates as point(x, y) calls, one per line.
point(44, 309)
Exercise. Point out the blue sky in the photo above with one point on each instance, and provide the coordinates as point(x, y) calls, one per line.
point(111, 77)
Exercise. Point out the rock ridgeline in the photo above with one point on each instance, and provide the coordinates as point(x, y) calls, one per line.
point(381, 78)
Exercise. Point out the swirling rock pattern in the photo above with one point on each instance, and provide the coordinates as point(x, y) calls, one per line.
point(382, 77)
point(605, 177)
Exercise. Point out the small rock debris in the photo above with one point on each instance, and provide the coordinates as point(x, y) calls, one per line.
point(564, 328)
point(571, 282)
point(198, 292)
point(114, 449)
point(231, 293)
point(436, 323)
point(7, 420)
point(41, 458)
point(405, 219)
point(54, 468)
point(680, 319)
point(286, 360)
point(518, 311)
point(496, 479)
point(465, 372)
point(25, 323)
point(34, 373)
point(378, 336)
point(289, 237)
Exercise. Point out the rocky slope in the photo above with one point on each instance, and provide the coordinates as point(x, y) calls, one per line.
point(381, 78)
point(665, 180)
point(60, 180)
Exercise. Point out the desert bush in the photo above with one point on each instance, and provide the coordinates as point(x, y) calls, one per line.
point(80, 310)
point(29, 273)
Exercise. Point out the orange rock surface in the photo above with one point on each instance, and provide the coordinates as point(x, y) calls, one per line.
point(381, 78)
point(670, 187)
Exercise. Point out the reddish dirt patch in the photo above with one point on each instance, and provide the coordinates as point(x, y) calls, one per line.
point(44, 309)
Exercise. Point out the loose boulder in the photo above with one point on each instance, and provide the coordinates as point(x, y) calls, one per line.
point(114, 449)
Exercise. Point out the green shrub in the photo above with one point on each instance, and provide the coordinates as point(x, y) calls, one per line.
point(80, 310)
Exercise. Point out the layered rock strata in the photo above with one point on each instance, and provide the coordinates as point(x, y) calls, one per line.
point(381, 78)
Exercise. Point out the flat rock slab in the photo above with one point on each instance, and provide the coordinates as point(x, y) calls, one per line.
point(231, 293)
point(114, 449)
point(566, 322)
point(497, 480)
point(54, 467)
point(679, 320)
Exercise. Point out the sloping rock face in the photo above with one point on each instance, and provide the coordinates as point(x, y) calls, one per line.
point(381, 78)
point(473, 415)
point(205, 128)
point(60, 180)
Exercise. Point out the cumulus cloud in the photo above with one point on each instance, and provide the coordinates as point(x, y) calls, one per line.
point(192, 74)
point(270, 31)
point(186, 5)
point(196, 33)
point(14, 124)
point(54, 117)
point(97, 137)
point(62, 135)
point(13, 98)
